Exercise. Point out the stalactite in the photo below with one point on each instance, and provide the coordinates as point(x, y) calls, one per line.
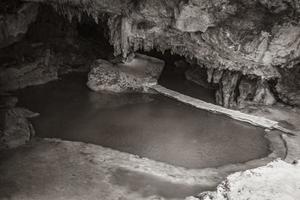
point(65, 9)
point(114, 25)
point(125, 34)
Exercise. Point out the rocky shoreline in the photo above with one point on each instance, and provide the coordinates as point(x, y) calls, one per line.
point(246, 51)
point(206, 178)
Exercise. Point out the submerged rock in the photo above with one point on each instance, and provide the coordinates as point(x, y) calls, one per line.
point(135, 75)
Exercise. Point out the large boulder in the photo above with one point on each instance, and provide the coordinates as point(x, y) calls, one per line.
point(16, 128)
point(134, 75)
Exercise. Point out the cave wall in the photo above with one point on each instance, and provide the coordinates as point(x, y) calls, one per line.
point(51, 46)
point(248, 36)
point(247, 43)
point(15, 19)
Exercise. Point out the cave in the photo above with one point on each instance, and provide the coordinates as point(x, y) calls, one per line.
point(150, 99)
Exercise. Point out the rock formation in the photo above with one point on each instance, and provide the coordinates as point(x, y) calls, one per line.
point(37, 72)
point(51, 47)
point(16, 129)
point(274, 181)
point(15, 20)
point(242, 40)
point(134, 75)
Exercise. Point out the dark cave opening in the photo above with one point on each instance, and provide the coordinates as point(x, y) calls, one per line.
point(175, 76)
point(70, 44)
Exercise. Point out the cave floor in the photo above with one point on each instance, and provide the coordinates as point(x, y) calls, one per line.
point(55, 169)
point(288, 118)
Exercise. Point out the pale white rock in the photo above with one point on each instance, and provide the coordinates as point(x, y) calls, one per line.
point(276, 181)
point(192, 19)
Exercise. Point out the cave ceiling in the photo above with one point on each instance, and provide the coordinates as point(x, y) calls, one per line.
point(254, 37)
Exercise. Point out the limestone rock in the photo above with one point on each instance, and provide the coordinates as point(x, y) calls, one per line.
point(247, 89)
point(236, 91)
point(40, 71)
point(210, 73)
point(278, 180)
point(104, 76)
point(263, 94)
point(192, 19)
point(288, 87)
point(125, 77)
point(17, 130)
point(227, 88)
point(217, 76)
point(14, 26)
point(252, 37)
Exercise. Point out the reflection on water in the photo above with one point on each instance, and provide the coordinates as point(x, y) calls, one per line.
point(151, 126)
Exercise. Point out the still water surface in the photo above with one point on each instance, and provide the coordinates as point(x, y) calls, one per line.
point(150, 126)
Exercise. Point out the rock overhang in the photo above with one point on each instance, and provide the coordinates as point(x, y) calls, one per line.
point(254, 38)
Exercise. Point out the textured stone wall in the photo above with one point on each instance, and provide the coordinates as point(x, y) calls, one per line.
point(14, 22)
point(253, 37)
point(241, 38)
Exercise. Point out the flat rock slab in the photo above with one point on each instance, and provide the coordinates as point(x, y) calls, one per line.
point(135, 75)
point(54, 169)
point(258, 121)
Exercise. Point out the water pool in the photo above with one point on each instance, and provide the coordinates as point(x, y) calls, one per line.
point(147, 125)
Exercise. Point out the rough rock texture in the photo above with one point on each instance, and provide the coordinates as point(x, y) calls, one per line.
point(16, 129)
point(252, 38)
point(235, 90)
point(225, 95)
point(193, 18)
point(13, 26)
point(288, 87)
point(135, 75)
point(278, 180)
point(51, 47)
point(79, 171)
point(37, 72)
